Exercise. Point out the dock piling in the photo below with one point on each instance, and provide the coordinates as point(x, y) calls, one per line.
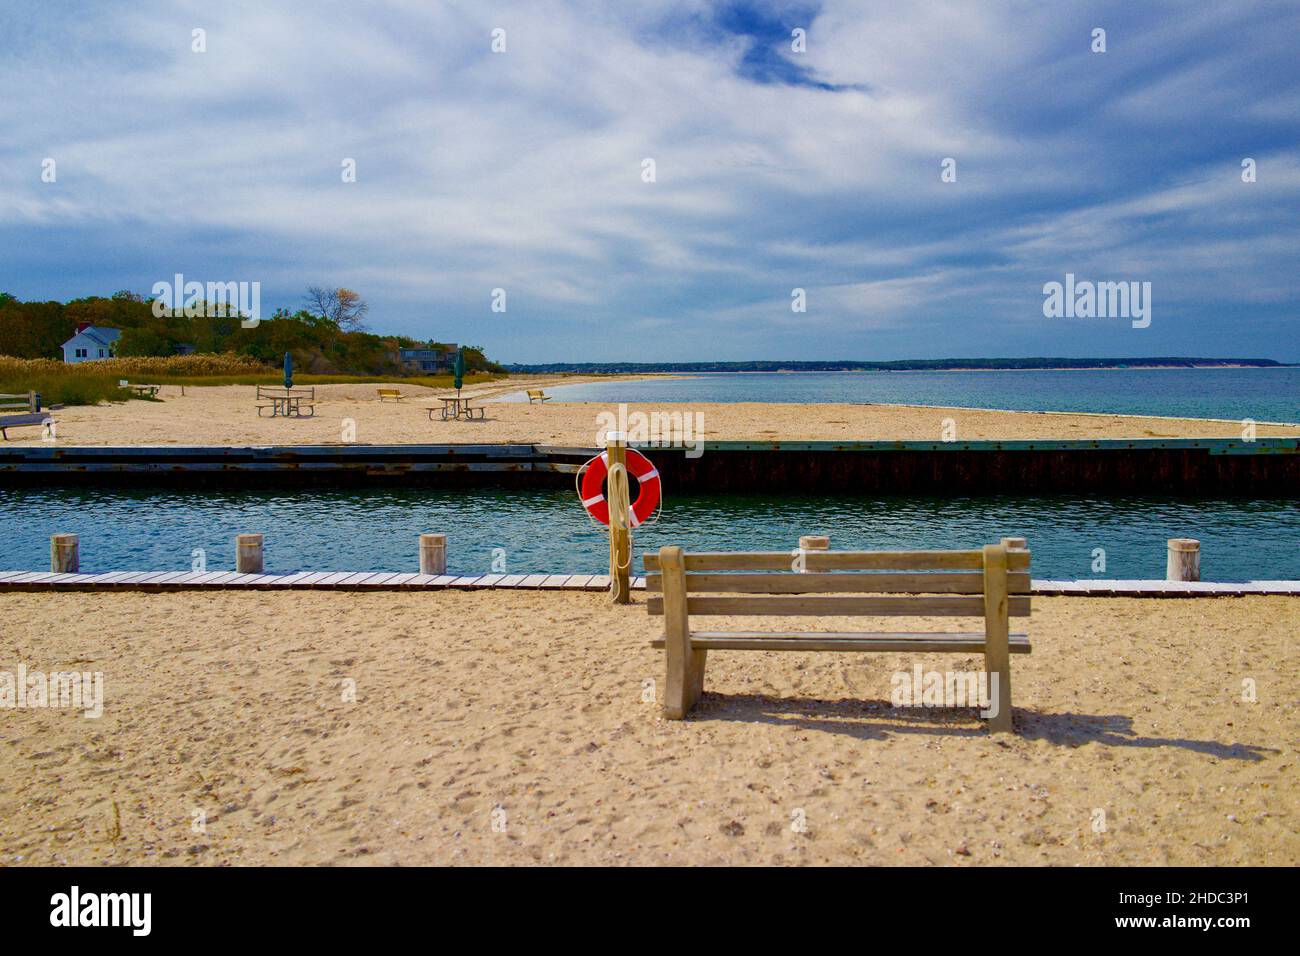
point(433, 554)
point(248, 553)
point(813, 542)
point(65, 554)
point(1184, 562)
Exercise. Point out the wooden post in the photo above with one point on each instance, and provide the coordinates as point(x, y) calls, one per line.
point(813, 542)
point(65, 554)
point(617, 494)
point(685, 679)
point(433, 554)
point(1014, 544)
point(1184, 560)
point(248, 553)
point(997, 653)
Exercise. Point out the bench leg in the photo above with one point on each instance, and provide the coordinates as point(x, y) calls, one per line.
point(997, 652)
point(685, 677)
point(698, 660)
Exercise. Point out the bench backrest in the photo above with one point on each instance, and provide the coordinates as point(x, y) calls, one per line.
point(26, 402)
point(388, 391)
point(535, 393)
point(932, 583)
point(279, 391)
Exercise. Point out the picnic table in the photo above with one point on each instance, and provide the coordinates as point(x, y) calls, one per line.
point(286, 402)
point(145, 390)
point(456, 408)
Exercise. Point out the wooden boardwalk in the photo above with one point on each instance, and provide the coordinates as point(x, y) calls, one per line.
point(391, 581)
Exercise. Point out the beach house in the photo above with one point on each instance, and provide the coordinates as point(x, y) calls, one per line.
point(429, 358)
point(90, 342)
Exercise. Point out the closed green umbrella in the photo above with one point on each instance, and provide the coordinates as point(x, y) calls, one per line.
point(288, 370)
point(458, 370)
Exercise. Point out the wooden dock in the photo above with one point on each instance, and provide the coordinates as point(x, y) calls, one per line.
point(39, 581)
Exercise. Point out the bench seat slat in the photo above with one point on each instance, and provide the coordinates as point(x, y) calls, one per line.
point(940, 606)
point(906, 641)
point(932, 582)
point(843, 561)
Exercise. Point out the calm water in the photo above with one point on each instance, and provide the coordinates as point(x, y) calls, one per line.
point(1271, 395)
point(375, 529)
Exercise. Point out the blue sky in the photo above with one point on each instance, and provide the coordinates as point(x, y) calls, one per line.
point(775, 169)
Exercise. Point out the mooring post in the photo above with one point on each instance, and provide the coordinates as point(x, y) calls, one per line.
point(1184, 560)
point(618, 495)
point(65, 554)
point(433, 554)
point(813, 542)
point(248, 553)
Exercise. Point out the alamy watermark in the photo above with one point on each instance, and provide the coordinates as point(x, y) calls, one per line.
point(656, 429)
point(213, 300)
point(1098, 300)
point(919, 688)
point(74, 690)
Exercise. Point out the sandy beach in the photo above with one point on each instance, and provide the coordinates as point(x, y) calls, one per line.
point(227, 710)
point(226, 415)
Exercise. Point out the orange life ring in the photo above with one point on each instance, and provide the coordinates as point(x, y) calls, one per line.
point(647, 498)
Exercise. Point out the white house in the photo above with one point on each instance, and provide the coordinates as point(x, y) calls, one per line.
point(90, 342)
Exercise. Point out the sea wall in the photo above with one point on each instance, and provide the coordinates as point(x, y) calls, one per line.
point(1266, 467)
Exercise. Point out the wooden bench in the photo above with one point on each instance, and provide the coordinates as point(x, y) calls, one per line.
point(992, 583)
point(21, 421)
point(537, 395)
point(387, 393)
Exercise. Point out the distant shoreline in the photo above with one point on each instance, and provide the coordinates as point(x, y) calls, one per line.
point(919, 365)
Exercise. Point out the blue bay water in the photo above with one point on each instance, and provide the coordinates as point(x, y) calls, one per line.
point(546, 530)
point(1264, 395)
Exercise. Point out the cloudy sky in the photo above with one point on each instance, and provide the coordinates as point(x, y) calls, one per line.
point(774, 169)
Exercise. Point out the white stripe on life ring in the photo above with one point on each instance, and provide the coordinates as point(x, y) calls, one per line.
point(588, 502)
point(652, 473)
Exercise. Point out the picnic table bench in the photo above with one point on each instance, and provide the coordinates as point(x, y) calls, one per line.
point(286, 402)
point(20, 421)
point(992, 583)
point(453, 408)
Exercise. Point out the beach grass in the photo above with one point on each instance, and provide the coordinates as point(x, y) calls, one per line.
point(90, 383)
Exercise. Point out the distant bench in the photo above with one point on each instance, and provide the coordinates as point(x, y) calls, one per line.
point(21, 421)
point(387, 393)
point(936, 583)
point(537, 395)
point(29, 403)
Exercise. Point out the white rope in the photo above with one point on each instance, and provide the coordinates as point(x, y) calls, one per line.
point(619, 507)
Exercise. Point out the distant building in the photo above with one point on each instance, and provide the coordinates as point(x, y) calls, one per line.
point(90, 343)
point(429, 358)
